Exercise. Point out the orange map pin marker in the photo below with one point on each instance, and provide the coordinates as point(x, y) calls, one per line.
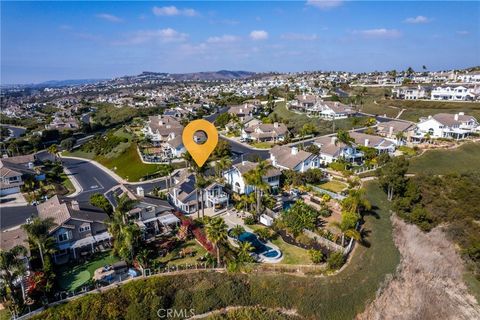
point(200, 152)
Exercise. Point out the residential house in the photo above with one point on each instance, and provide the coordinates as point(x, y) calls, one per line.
point(380, 144)
point(284, 157)
point(183, 195)
point(162, 128)
point(268, 132)
point(13, 171)
point(459, 93)
point(303, 102)
point(446, 125)
point(393, 129)
point(410, 93)
point(174, 148)
point(152, 215)
point(77, 231)
point(243, 111)
point(332, 150)
point(234, 177)
point(333, 110)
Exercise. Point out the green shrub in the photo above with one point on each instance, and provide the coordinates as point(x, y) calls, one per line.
point(336, 260)
point(315, 255)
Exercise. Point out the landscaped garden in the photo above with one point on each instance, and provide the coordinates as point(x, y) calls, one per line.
point(117, 151)
point(333, 186)
point(72, 276)
point(311, 297)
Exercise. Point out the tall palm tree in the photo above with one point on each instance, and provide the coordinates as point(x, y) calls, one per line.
point(346, 230)
point(38, 232)
point(12, 266)
point(125, 204)
point(244, 250)
point(216, 230)
point(125, 235)
point(255, 178)
point(221, 165)
point(53, 150)
point(344, 137)
point(356, 202)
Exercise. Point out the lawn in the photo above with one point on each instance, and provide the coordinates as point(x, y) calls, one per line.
point(67, 184)
point(463, 159)
point(333, 185)
point(174, 258)
point(291, 254)
point(72, 277)
point(262, 145)
point(339, 296)
point(297, 120)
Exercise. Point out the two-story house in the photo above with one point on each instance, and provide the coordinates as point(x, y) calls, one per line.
point(162, 128)
point(265, 132)
point(235, 177)
point(446, 125)
point(287, 158)
point(183, 195)
point(13, 171)
point(152, 215)
point(380, 144)
point(242, 111)
point(459, 93)
point(76, 230)
point(331, 150)
point(398, 131)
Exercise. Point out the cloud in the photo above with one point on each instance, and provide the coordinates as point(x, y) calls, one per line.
point(299, 36)
point(378, 33)
point(463, 32)
point(259, 35)
point(174, 11)
point(418, 20)
point(223, 39)
point(324, 4)
point(160, 35)
point(109, 17)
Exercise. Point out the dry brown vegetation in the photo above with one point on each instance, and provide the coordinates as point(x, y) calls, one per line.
point(428, 283)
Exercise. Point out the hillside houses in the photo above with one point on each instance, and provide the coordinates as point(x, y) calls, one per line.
point(162, 128)
point(455, 93)
point(399, 131)
point(331, 150)
point(13, 172)
point(314, 106)
point(410, 92)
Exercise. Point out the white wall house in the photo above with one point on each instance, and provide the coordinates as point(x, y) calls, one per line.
point(234, 177)
point(459, 93)
point(286, 158)
point(162, 128)
point(471, 77)
point(332, 150)
point(445, 125)
point(409, 93)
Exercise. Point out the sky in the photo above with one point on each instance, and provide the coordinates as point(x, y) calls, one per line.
point(95, 40)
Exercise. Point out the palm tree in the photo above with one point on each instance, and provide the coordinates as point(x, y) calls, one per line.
point(38, 232)
point(12, 266)
point(347, 226)
point(221, 165)
point(356, 202)
point(255, 179)
point(143, 259)
point(244, 250)
point(344, 137)
point(237, 231)
point(400, 136)
point(53, 150)
point(125, 235)
point(200, 184)
point(216, 230)
point(125, 204)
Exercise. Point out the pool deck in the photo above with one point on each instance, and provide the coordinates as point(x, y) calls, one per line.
point(232, 220)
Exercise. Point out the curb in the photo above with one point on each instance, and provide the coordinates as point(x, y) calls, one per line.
point(73, 180)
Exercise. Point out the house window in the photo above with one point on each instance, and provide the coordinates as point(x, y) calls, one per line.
point(63, 237)
point(84, 228)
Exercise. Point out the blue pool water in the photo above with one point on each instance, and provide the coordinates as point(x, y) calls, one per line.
point(287, 205)
point(260, 248)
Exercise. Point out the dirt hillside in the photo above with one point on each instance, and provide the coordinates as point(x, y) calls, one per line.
point(428, 283)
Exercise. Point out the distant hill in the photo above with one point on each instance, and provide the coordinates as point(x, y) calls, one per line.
point(214, 75)
point(54, 83)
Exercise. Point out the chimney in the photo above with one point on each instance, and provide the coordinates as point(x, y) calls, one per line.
point(461, 113)
point(140, 192)
point(456, 117)
point(333, 140)
point(75, 205)
point(367, 142)
point(430, 117)
point(275, 125)
point(274, 160)
point(294, 150)
point(390, 131)
point(30, 165)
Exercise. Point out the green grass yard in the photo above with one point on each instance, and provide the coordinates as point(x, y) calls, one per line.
point(174, 258)
point(463, 159)
point(72, 277)
point(262, 145)
point(333, 185)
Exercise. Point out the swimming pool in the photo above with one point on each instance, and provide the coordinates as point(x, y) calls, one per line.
point(265, 252)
